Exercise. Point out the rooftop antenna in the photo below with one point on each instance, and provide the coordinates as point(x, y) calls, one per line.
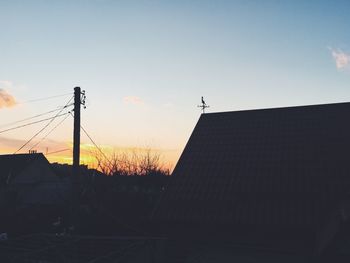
point(203, 106)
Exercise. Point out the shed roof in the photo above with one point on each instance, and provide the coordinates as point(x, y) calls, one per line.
point(281, 166)
point(13, 164)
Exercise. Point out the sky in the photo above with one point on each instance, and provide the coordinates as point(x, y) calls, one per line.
point(145, 65)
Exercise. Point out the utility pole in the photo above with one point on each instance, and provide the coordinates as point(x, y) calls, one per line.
point(79, 98)
point(76, 133)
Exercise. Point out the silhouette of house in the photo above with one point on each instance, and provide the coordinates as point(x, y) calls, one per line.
point(30, 179)
point(270, 178)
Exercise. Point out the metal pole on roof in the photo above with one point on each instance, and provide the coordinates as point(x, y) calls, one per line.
point(203, 106)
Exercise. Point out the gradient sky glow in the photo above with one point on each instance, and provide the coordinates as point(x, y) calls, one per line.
point(145, 64)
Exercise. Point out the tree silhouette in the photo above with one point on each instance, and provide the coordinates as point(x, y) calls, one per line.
point(138, 162)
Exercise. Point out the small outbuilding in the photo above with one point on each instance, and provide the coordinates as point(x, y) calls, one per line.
point(30, 180)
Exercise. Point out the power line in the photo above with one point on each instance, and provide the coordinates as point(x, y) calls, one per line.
point(94, 143)
point(43, 127)
point(31, 123)
point(99, 149)
point(26, 143)
point(45, 98)
point(47, 134)
point(33, 117)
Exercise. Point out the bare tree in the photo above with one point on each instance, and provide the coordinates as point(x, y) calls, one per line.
point(138, 162)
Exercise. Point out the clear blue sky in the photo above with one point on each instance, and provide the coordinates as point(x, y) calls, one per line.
point(145, 64)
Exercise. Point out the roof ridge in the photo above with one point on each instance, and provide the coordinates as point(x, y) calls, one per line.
point(280, 108)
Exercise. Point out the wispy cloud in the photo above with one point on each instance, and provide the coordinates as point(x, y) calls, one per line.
point(10, 145)
point(6, 83)
point(341, 58)
point(133, 100)
point(6, 99)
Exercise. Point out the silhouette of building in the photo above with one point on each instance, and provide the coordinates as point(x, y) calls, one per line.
point(30, 179)
point(31, 195)
point(276, 179)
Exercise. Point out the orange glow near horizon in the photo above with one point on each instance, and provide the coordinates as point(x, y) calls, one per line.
point(168, 158)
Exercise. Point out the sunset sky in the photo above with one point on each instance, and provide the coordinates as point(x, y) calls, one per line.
point(146, 64)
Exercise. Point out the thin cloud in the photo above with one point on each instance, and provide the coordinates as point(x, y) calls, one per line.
point(10, 145)
point(342, 59)
point(133, 100)
point(6, 83)
point(6, 99)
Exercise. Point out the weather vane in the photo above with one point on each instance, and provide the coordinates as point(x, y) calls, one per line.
point(203, 106)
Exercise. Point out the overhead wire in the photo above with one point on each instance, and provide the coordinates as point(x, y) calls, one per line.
point(99, 149)
point(33, 117)
point(31, 123)
point(45, 98)
point(94, 143)
point(57, 115)
point(47, 134)
point(104, 155)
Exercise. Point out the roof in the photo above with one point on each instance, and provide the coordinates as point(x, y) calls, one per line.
point(14, 164)
point(281, 167)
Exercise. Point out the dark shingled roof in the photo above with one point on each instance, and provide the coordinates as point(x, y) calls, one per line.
point(15, 163)
point(281, 167)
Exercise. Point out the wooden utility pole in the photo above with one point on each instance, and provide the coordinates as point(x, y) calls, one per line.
point(76, 132)
point(76, 157)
